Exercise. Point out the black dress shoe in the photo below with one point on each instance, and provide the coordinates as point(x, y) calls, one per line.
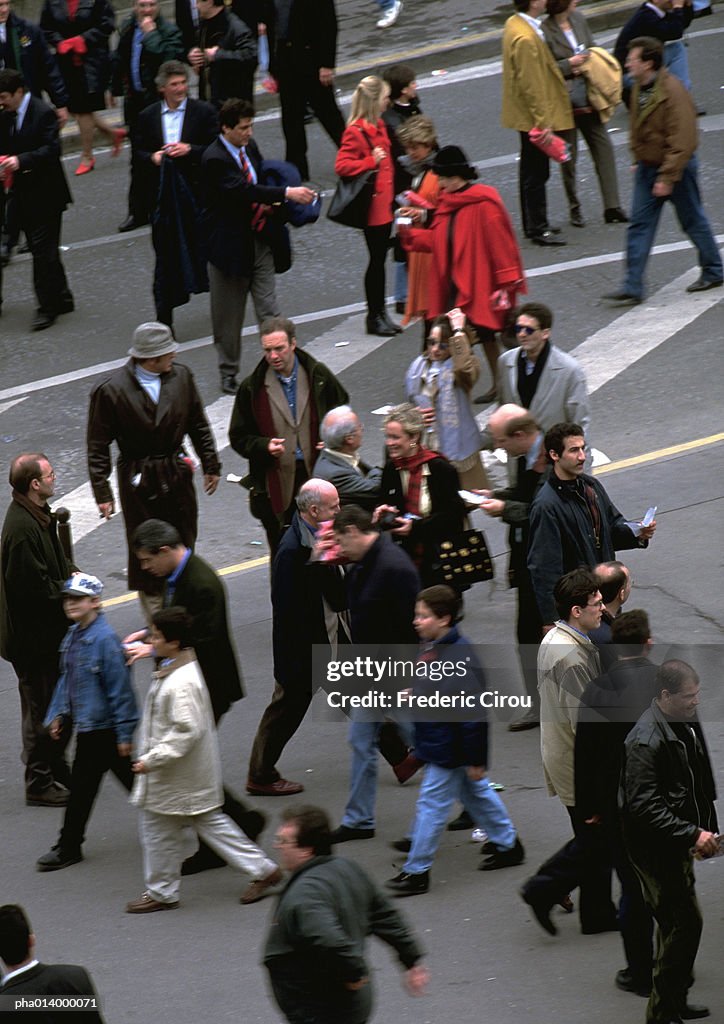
point(622, 298)
point(501, 858)
point(409, 885)
point(58, 858)
point(576, 219)
point(615, 215)
point(704, 286)
point(345, 834)
point(548, 238)
point(541, 909)
point(379, 326)
point(694, 1011)
point(67, 305)
point(402, 845)
point(553, 230)
point(627, 983)
point(129, 224)
point(391, 323)
point(41, 321)
point(228, 384)
point(609, 925)
point(400, 307)
point(203, 860)
point(462, 822)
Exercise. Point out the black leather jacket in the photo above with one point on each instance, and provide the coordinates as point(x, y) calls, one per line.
point(660, 781)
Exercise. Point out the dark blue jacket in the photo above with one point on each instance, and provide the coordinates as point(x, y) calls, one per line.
point(31, 56)
point(646, 22)
point(99, 695)
point(452, 744)
point(381, 592)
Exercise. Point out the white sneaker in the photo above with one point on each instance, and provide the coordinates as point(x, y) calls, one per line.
point(390, 17)
point(479, 836)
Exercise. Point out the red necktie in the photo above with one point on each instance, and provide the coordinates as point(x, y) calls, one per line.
point(258, 210)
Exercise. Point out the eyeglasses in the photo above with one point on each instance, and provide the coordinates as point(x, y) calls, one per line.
point(522, 329)
point(595, 604)
point(48, 476)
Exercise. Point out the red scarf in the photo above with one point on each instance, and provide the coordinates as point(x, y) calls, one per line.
point(413, 465)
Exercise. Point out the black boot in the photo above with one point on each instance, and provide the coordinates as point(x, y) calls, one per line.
point(376, 324)
point(391, 323)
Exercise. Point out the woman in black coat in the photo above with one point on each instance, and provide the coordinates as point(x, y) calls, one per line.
point(419, 489)
point(78, 32)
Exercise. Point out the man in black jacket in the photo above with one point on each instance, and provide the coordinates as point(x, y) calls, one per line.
point(171, 137)
point(147, 407)
point(33, 569)
point(303, 54)
point(145, 42)
point(382, 589)
point(30, 169)
point(315, 949)
point(667, 806)
point(573, 522)
point(32, 58)
point(224, 57)
point(305, 601)
point(25, 977)
point(235, 211)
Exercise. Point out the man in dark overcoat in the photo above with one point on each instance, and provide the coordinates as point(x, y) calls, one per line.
point(147, 407)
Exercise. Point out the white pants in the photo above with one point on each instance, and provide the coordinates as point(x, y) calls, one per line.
point(163, 843)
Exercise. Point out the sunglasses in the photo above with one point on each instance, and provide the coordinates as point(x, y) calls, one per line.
point(521, 329)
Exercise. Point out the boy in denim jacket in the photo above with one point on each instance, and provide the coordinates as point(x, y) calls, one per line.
point(94, 690)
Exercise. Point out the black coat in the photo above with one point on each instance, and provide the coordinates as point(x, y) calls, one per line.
point(164, 43)
point(34, 60)
point(33, 569)
point(446, 518)
point(298, 590)
point(516, 514)
point(610, 705)
point(310, 42)
point(199, 129)
point(251, 12)
point(150, 442)
point(231, 73)
point(94, 21)
point(227, 199)
point(200, 591)
point(661, 817)
point(646, 22)
point(39, 186)
point(56, 980)
point(381, 592)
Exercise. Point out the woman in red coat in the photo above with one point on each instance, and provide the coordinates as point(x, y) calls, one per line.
point(476, 263)
point(366, 145)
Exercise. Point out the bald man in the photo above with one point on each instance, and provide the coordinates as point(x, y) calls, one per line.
point(513, 429)
point(305, 603)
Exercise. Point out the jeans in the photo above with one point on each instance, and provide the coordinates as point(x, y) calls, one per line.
point(439, 790)
point(363, 738)
point(645, 214)
point(676, 62)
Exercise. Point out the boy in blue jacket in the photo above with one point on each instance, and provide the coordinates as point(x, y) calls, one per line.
point(455, 754)
point(94, 691)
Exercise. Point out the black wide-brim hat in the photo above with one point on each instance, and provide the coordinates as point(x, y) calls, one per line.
point(451, 162)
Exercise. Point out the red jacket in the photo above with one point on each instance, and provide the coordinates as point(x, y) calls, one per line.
point(355, 157)
point(485, 255)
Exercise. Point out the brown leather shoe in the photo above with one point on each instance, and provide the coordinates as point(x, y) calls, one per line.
point(282, 787)
point(146, 904)
point(257, 890)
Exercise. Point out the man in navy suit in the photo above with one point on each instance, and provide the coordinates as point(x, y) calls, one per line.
point(30, 164)
point(173, 134)
point(27, 977)
point(235, 210)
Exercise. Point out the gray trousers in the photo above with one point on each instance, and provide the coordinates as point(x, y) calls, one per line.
point(229, 293)
point(597, 139)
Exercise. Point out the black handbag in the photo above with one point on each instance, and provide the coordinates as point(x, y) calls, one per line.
point(352, 197)
point(464, 560)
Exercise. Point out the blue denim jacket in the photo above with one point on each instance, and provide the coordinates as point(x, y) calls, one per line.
point(103, 696)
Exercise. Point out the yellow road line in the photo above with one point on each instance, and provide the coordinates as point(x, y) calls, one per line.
point(636, 460)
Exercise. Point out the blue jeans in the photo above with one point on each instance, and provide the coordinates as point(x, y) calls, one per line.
point(385, 5)
point(676, 61)
point(645, 213)
point(363, 739)
point(439, 790)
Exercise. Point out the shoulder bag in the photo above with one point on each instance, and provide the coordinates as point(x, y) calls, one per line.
point(352, 197)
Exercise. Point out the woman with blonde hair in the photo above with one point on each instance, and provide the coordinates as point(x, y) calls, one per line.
point(365, 146)
point(419, 138)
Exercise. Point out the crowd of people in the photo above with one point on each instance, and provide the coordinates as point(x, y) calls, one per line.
point(355, 551)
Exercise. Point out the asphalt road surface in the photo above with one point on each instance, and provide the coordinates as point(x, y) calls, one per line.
point(656, 377)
